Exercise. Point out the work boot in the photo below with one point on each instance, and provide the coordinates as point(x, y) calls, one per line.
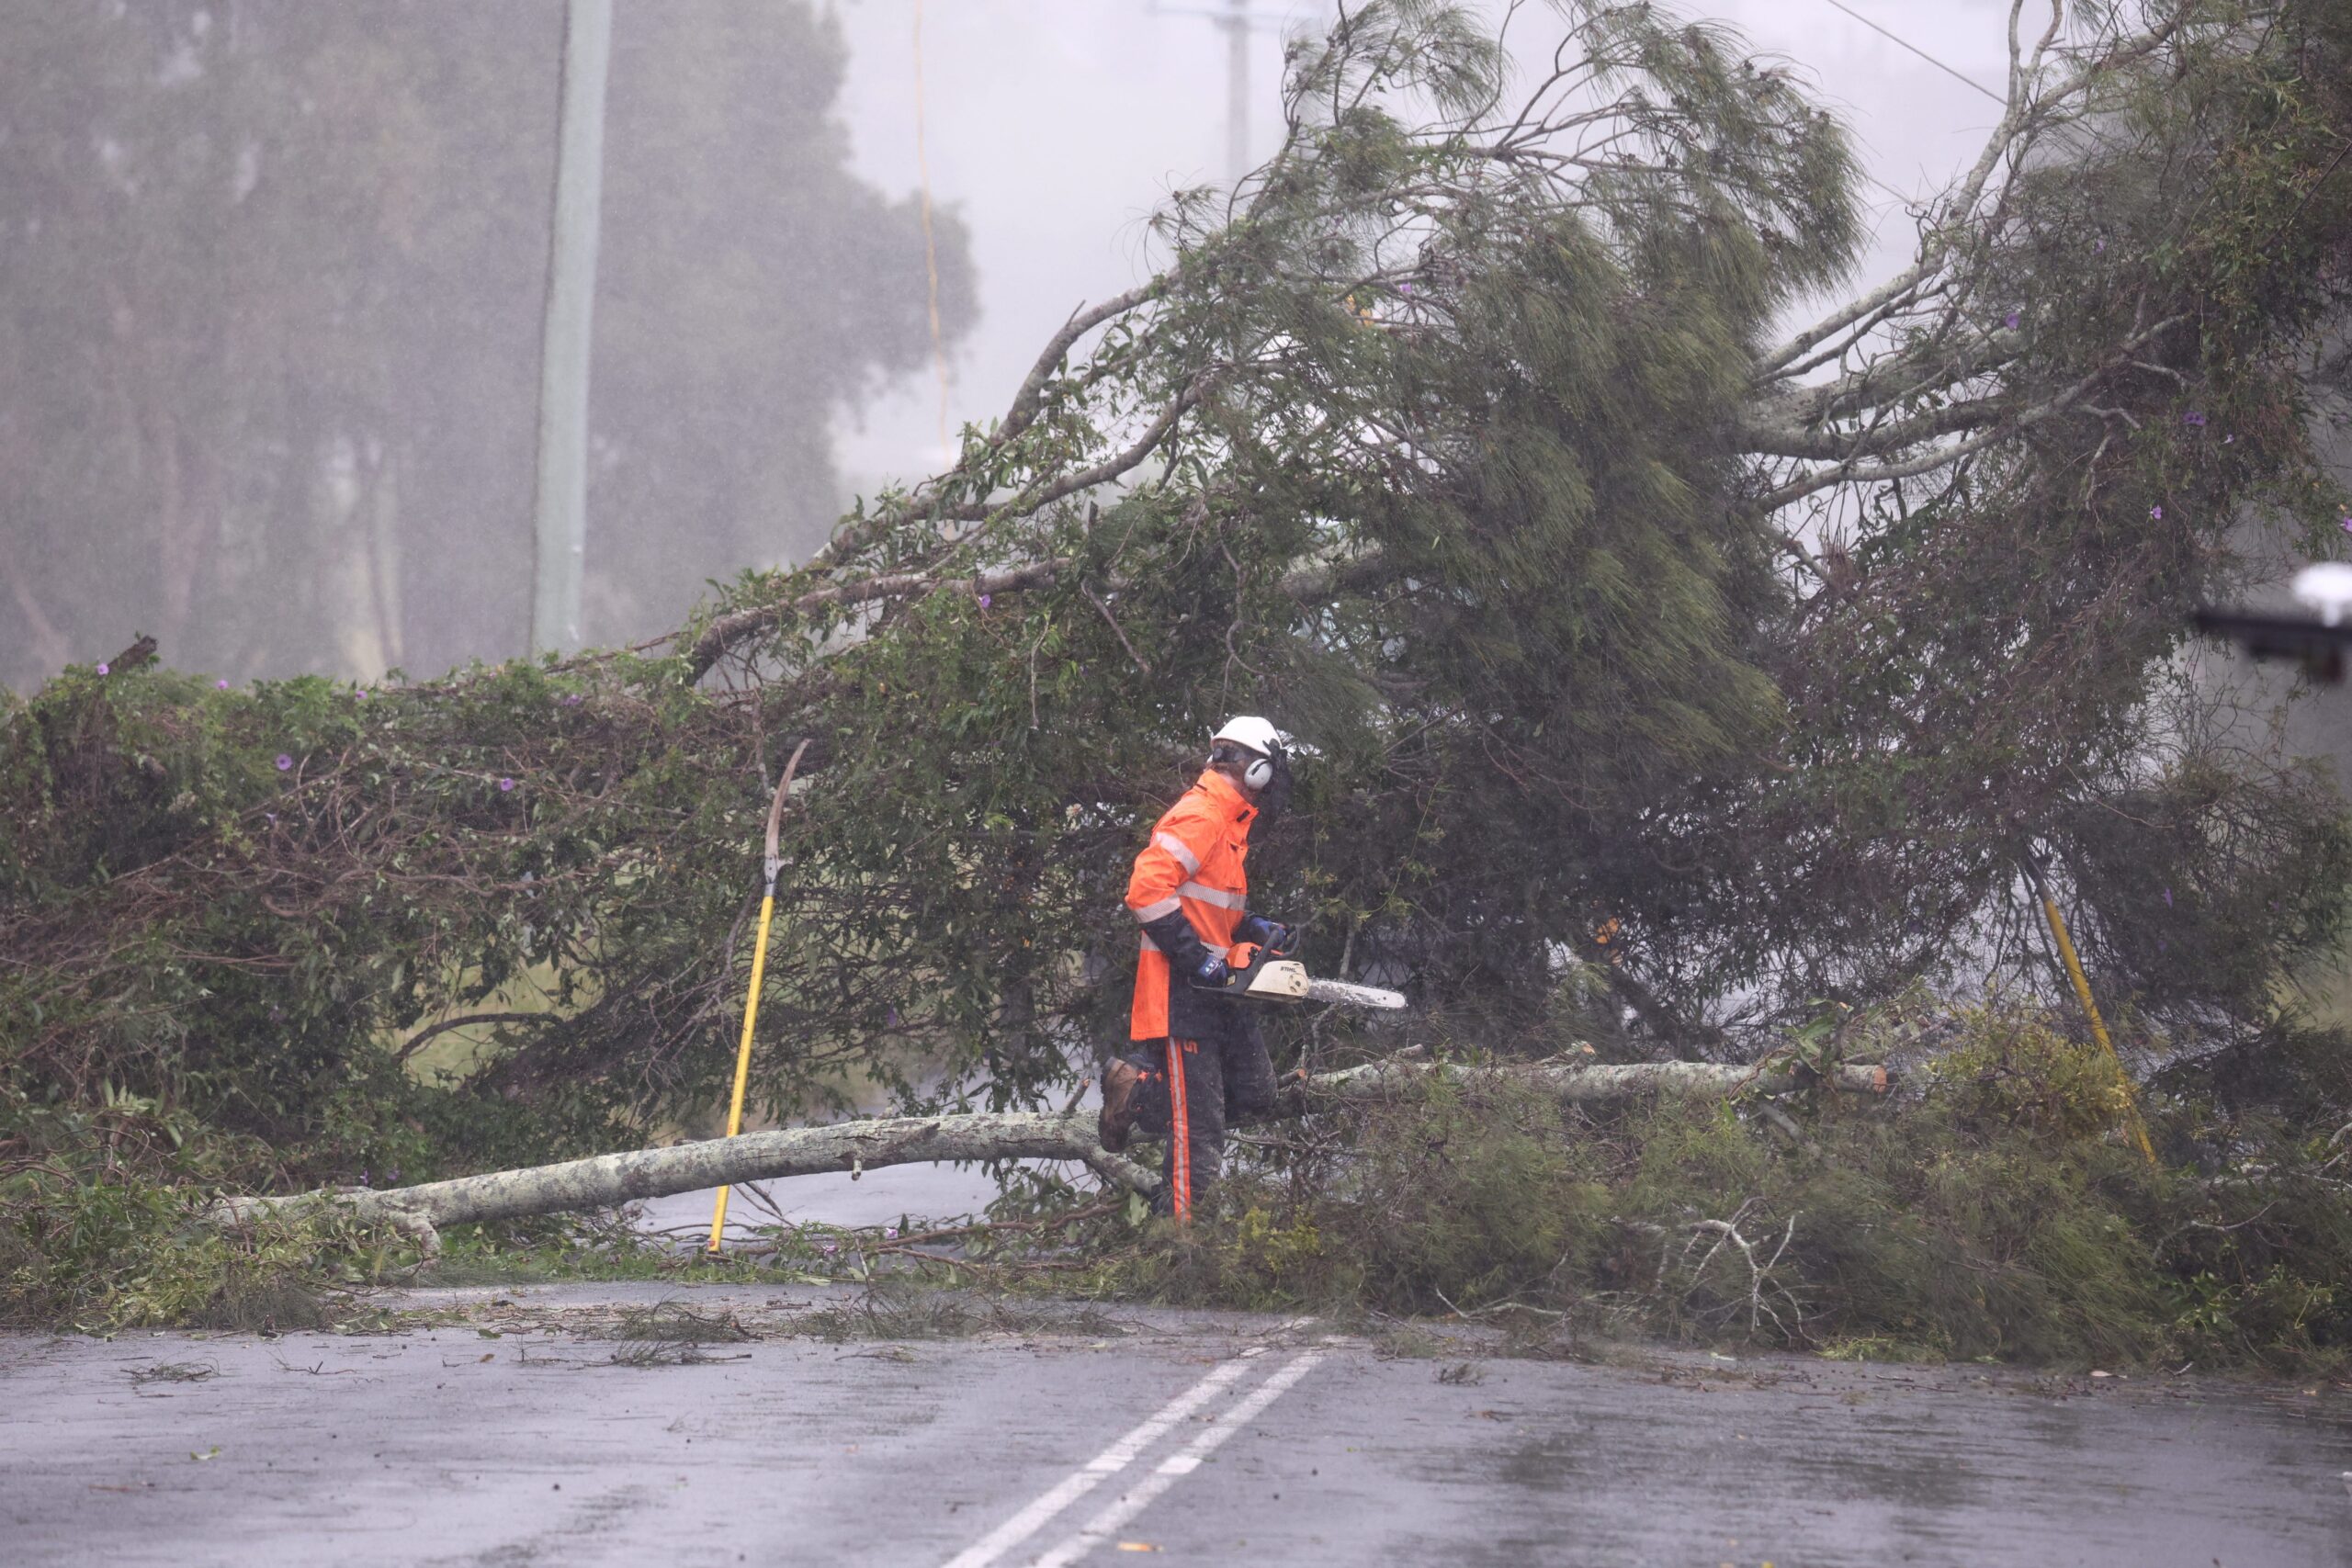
point(1121, 1103)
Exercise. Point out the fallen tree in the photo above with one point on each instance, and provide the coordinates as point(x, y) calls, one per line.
point(1669, 688)
point(605, 1180)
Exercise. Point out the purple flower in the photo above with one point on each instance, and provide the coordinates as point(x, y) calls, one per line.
point(889, 1232)
point(363, 694)
point(284, 761)
point(894, 1011)
point(2193, 418)
point(2012, 319)
point(504, 785)
point(1404, 289)
point(102, 670)
point(2098, 247)
point(271, 816)
point(830, 1249)
point(2168, 897)
point(572, 700)
point(220, 685)
point(2348, 525)
point(2227, 439)
point(2156, 513)
point(985, 601)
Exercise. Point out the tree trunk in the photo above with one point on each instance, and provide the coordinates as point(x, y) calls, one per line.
point(605, 1180)
point(1595, 1083)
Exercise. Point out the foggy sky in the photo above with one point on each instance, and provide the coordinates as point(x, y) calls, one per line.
point(1055, 127)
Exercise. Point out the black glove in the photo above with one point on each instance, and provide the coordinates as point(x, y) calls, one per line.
point(1272, 935)
point(1174, 935)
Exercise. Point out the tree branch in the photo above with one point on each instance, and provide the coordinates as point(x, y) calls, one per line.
point(725, 631)
point(409, 1047)
point(606, 1180)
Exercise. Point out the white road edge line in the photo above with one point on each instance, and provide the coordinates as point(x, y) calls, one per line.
point(1110, 1461)
point(1177, 1466)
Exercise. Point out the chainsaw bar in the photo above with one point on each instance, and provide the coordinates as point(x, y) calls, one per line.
point(1255, 975)
point(1346, 995)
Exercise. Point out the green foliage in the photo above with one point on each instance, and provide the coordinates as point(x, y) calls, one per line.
point(240, 901)
point(1999, 1215)
point(97, 1246)
point(1991, 650)
point(1453, 1184)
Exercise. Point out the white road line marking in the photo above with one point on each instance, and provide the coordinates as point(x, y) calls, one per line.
point(1177, 1466)
point(1110, 1461)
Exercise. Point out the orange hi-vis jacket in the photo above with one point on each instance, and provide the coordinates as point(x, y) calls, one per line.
point(1192, 863)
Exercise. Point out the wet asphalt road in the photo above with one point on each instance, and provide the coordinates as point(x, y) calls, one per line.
point(1209, 1439)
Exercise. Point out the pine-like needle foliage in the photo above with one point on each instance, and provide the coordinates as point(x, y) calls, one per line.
point(1635, 649)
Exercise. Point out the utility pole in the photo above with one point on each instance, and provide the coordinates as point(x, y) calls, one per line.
point(1237, 91)
point(1239, 22)
point(560, 500)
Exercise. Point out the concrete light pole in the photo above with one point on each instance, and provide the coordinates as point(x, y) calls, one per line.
point(559, 535)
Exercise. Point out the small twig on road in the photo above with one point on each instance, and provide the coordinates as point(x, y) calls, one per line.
point(1493, 1307)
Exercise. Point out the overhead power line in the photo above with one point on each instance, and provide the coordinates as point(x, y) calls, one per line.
point(1922, 53)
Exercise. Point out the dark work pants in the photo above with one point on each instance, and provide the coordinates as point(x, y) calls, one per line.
point(1192, 1091)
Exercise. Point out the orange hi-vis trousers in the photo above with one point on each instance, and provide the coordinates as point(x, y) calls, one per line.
point(1191, 1090)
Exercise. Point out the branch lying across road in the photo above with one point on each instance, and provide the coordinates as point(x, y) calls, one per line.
point(604, 1181)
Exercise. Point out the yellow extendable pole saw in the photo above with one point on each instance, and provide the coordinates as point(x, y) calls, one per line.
point(759, 973)
point(2073, 963)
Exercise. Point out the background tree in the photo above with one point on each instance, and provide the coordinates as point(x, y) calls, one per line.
point(275, 310)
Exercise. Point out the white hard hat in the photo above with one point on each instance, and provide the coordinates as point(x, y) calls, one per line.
point(2326, 588)
point(1249, 730)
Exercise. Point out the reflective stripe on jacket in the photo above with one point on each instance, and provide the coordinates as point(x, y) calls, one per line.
point(1193, 862)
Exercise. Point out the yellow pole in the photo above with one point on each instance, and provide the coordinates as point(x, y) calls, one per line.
point(759, 972)
point(743, 1052)
point(2099, 1025)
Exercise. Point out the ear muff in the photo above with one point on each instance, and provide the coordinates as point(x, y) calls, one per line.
point(1259, 774)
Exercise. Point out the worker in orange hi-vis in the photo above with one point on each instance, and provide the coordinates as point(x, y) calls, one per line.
point(1198, 1058)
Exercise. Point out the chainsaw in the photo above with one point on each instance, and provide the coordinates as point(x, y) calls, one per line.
point(1257, 974)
